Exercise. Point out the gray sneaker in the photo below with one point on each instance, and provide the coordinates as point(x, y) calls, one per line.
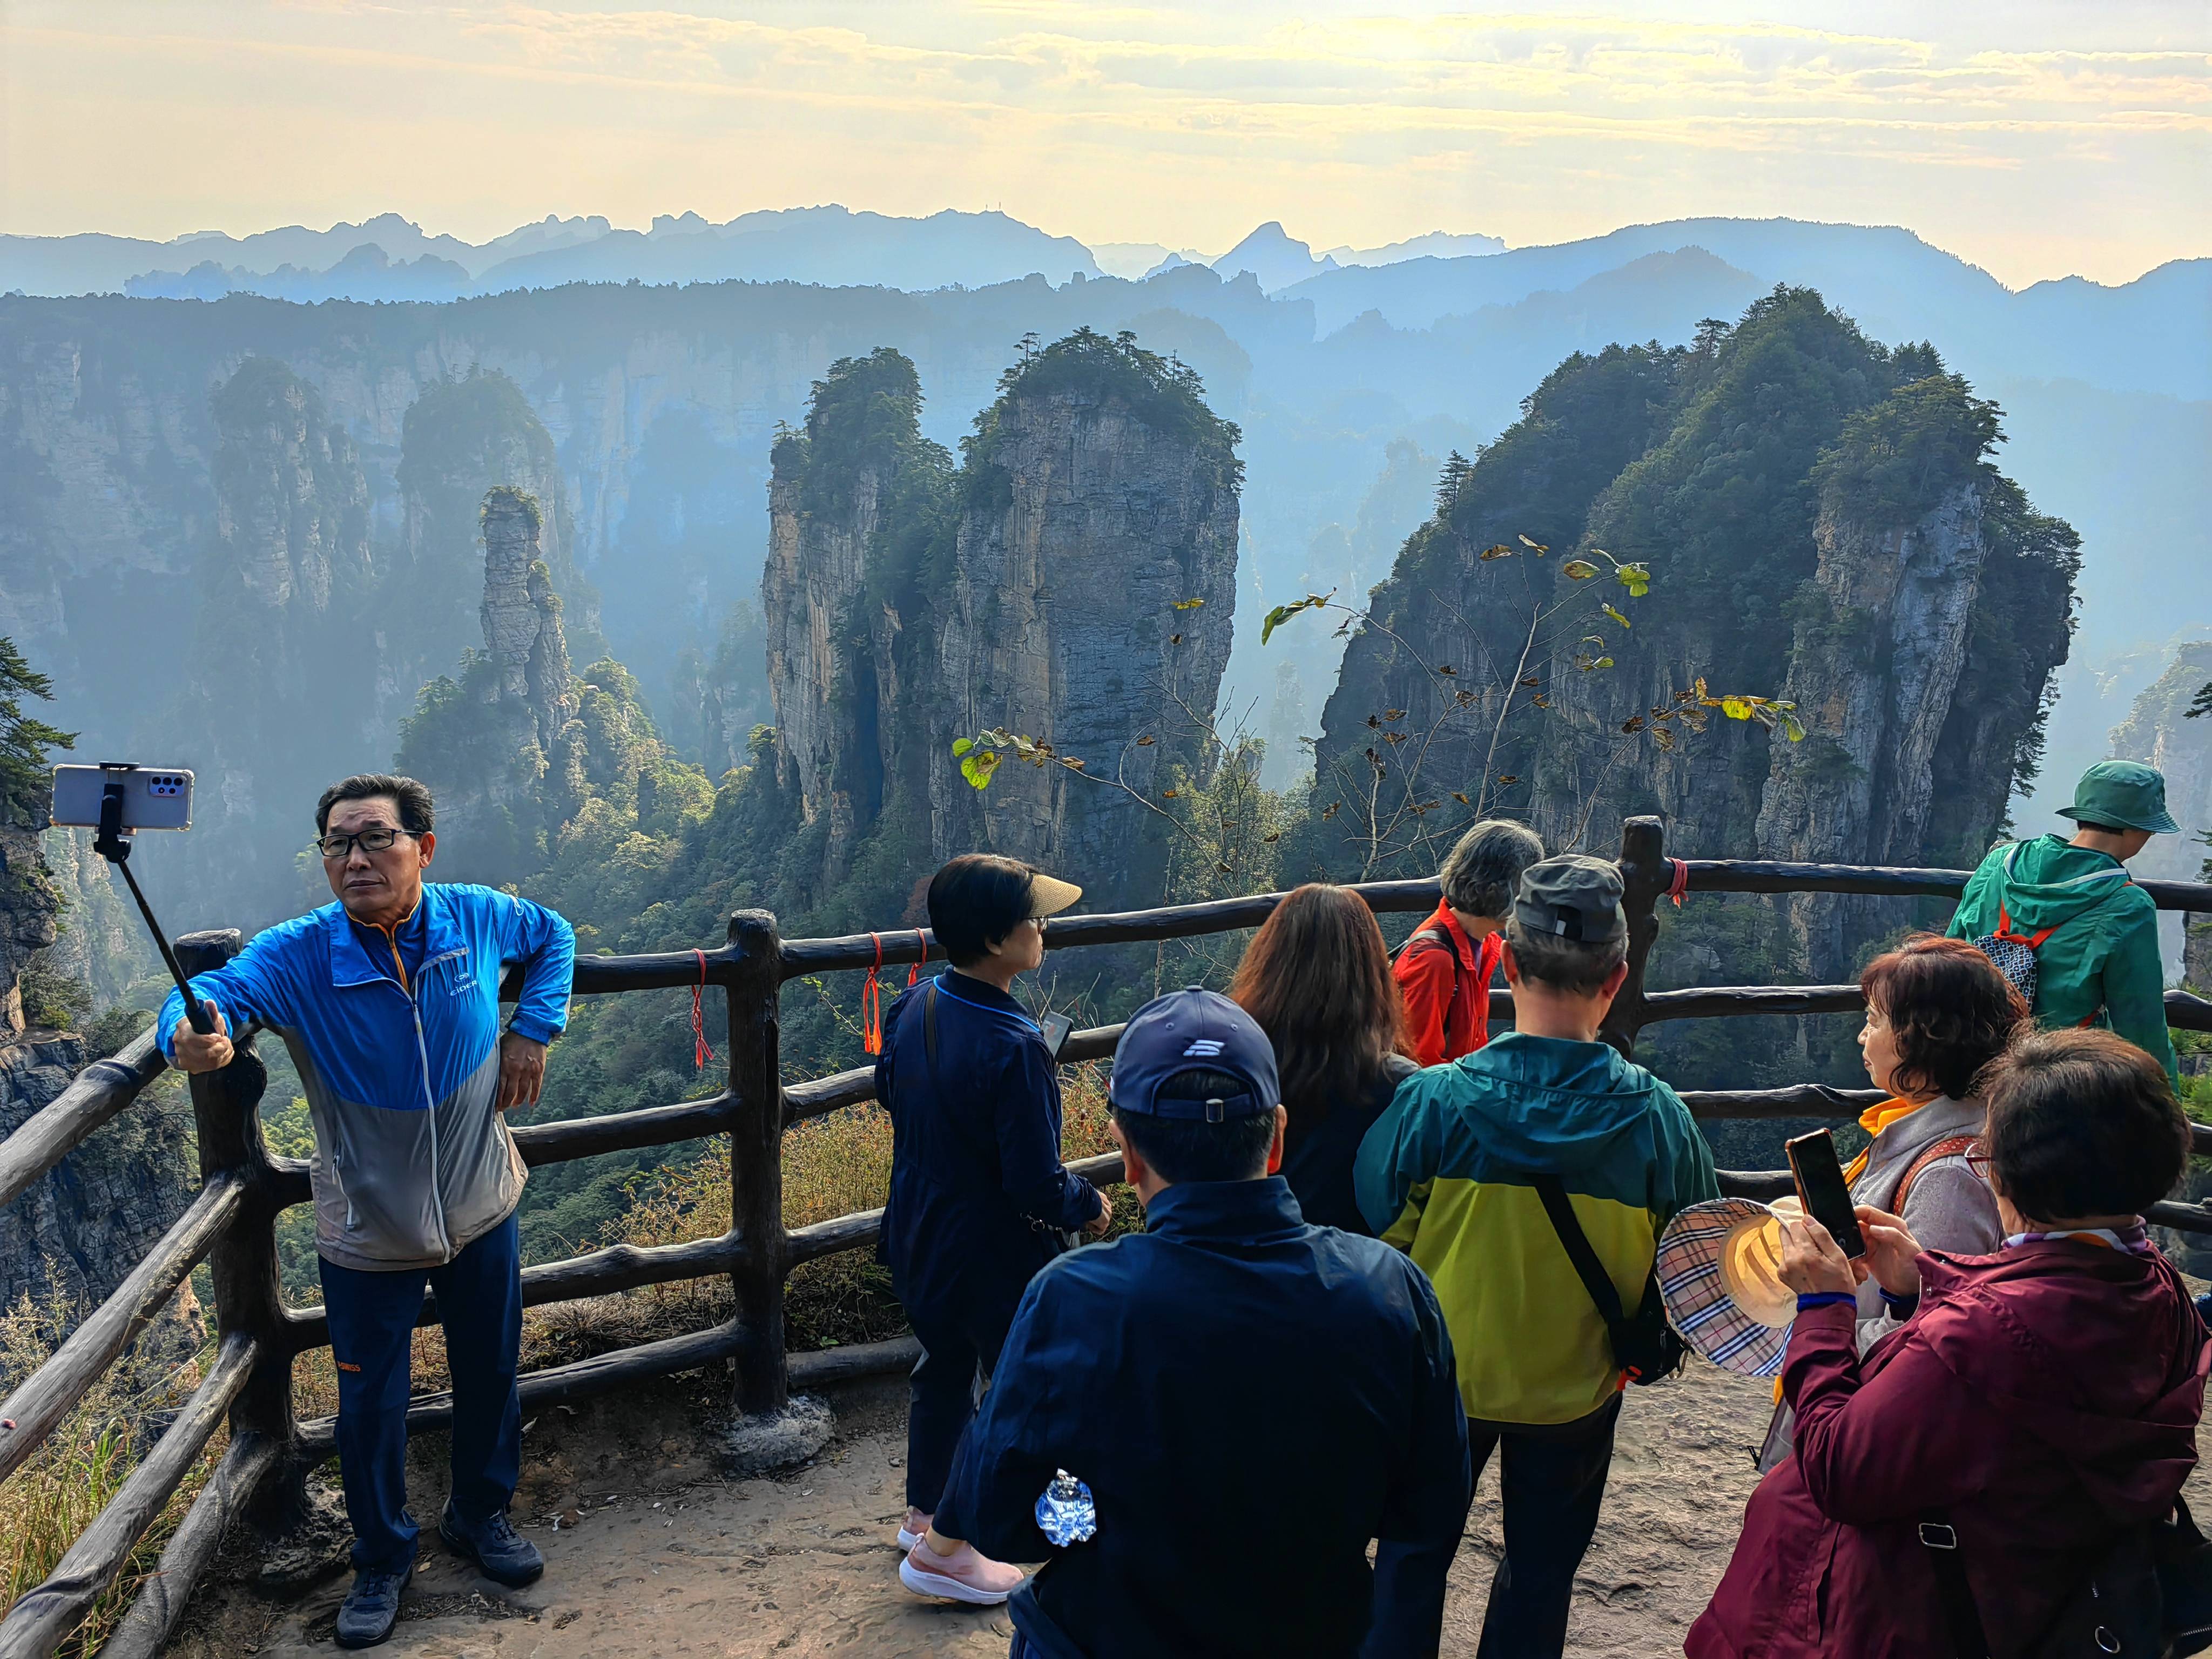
point(371, 1607)
point(501, 1552)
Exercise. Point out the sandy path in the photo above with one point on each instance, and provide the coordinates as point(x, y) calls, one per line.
point(663, 1557)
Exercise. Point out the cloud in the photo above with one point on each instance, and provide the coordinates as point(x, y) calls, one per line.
point(1179, 124)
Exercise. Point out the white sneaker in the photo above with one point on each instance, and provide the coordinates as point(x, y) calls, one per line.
point(916, 1525)
point(966, 1575)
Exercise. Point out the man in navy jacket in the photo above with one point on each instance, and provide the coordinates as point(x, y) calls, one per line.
point(388, 1000)
point(1199, 1428)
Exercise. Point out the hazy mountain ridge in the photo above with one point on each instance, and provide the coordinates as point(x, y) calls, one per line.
point(662, 405)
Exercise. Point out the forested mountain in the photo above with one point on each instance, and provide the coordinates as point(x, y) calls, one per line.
point(1768, 586)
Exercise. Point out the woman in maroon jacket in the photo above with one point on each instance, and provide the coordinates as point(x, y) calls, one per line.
point(2042, 1399)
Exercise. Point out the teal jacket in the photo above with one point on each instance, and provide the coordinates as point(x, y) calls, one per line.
point(2100, 964)
point(1443, 1175)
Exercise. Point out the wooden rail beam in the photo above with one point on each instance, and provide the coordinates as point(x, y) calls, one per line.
point(29, 1415)
point(572, 1278)
point(45, 1615)
point(563, 1139)
point(242, 1266)
point(94, 1095)
point(602, 1374)
point(231, 1490)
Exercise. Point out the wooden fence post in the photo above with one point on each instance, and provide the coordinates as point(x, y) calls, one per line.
point(1644, 874)
point(756, 1162)
point(248, 1290)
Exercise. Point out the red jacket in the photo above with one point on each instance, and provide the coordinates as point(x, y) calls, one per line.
point(1448, 1010)
point(2045, 1396)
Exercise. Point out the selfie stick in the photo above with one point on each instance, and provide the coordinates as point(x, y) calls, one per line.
point(112, 842)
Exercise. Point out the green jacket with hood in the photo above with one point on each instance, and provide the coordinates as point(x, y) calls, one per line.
point(1444, 1176)
point(2100, 965)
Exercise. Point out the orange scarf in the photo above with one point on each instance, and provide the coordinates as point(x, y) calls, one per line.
point(1873, 1121)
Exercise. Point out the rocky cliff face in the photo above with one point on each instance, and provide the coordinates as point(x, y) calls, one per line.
point(1819, 526)
point(1074, 586)
point(1918, 658)
point(500, 746)
point(856, 497)
point(466, 435)
point(280, 664)
point(82, 1228)
point(2158, 730)
point(29, 902)
point(1089, 607)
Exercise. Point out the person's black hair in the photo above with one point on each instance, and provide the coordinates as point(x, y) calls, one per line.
point(417, 816)
point(975, 900)
point(1191, 1149)
point(1572, 965)
point(2081, 1123)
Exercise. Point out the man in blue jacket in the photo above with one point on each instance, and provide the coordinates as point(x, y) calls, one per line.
point(388, 1000)
point(1200, 1428)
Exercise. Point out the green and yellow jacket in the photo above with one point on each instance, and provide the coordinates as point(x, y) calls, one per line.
point(2100, 964)
point(1443, 1175)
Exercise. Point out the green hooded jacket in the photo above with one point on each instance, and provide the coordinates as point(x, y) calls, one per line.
point(2100, 964)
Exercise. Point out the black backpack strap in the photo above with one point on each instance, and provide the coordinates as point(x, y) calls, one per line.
point(1960, 1615)
point(1588, 1267)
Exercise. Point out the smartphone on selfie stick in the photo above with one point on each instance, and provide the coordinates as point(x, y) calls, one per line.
point(116, 799)
point(1823, 1190)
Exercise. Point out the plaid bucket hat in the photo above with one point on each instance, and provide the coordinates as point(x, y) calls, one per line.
point(1716, 1268)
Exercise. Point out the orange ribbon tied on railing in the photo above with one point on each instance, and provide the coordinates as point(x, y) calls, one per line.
point(914, 973)
point(872, 1001)
point(1680, 884)
point(702, 1051)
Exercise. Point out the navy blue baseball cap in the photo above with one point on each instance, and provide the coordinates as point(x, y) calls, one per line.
point(1193, 1031)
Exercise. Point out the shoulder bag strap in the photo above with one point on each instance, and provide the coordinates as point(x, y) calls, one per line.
point(1595, 1281)
point(1961, 1616)
point(1935, 1152)
point(929, 1031)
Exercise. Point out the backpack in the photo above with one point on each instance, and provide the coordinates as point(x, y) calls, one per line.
point(1439, 940)
point(2149, 1596)
point(2014, 954)
point(1645, 1345)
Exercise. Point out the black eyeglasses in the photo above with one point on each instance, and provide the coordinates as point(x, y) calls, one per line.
point(378, 839)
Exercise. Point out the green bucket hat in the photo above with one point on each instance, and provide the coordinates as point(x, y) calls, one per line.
point(2121, 794)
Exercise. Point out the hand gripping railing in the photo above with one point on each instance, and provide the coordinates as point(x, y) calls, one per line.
point(230, 1224)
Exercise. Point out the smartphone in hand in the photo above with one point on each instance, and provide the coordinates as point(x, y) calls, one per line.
point(1821, 1188)
point(1057, 1027)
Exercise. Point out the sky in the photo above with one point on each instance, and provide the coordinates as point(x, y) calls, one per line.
point(2035, 139)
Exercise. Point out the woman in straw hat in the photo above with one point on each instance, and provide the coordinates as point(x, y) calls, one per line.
point(1937, 1012)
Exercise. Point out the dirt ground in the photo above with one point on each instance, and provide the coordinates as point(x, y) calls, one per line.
point(654, 1554)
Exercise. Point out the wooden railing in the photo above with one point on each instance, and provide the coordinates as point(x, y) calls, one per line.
point(230, 1224)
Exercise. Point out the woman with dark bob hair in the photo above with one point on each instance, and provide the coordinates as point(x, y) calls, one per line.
point(1316, 978)
point(2039, 1404)
point(1937, 1012)
point(979, 1197)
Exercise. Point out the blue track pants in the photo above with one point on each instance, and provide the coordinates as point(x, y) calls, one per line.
point(372, 1324)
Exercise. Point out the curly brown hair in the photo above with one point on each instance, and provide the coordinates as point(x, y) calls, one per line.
point(1950, 1012)
point(1316, 977)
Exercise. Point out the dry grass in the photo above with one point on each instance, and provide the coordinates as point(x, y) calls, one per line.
point(50, 1501)
point(832, 1166)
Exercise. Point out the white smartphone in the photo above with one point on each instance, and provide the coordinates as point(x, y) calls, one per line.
point(153, 797)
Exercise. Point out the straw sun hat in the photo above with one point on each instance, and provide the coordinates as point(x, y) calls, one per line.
point(1719, 1275)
